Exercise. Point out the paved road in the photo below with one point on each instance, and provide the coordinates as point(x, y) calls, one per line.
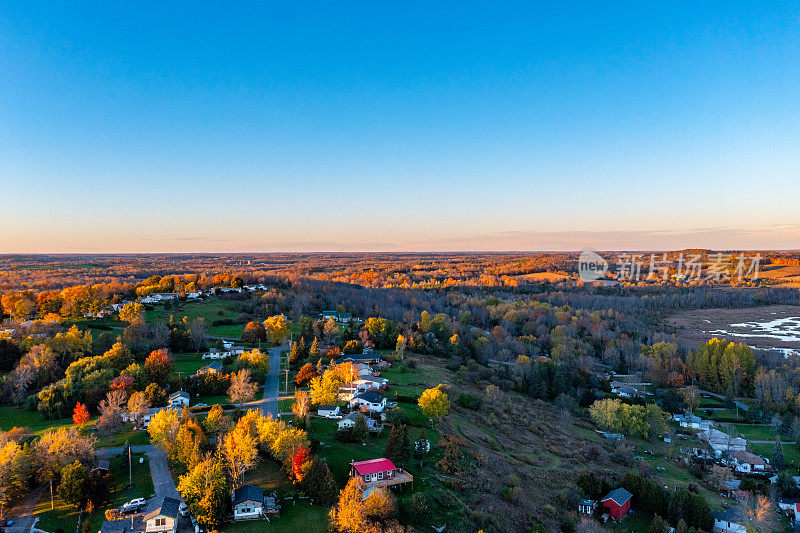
point(270, 402)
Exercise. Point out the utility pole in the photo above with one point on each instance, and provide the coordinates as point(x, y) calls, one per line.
point(287, 382)
point(52, 505)
point(130, 468)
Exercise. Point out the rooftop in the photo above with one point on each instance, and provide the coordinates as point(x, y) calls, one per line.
point(620, 496)
point(373, 466)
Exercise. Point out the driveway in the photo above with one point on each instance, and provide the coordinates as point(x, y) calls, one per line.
point(163, 484)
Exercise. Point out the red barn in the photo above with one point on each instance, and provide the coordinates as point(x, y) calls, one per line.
point(618, 502)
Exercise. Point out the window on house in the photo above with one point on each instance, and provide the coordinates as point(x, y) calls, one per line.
point(380, 475)
point(161, 522)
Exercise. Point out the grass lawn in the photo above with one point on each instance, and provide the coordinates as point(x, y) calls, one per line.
point(791, 455)
point(66, 517)
point(126, 434)
point(754, 432)
point(403, 381)
point(711, 401)
point(300, 516)
point(188, 363)
point(722, 415)
point(11, 417)
point(210, 309)
point(637, 523)
point(339, 454)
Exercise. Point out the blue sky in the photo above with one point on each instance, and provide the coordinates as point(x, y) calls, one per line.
point(408, 126)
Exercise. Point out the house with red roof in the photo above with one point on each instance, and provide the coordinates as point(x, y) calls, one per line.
point(617, 503)
point(380, 473)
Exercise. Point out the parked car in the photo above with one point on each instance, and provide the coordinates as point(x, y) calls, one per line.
point(134, 505)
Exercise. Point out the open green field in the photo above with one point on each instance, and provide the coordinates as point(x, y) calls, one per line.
point(11, 417)
point(751, 432)
point(210, 309)
point(188, 364)
point(790, 454)
point(125, 434)
point(66, 516)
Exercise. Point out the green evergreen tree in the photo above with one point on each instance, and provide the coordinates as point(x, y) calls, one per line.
point(360, 433)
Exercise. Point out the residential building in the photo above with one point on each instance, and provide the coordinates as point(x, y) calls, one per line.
point(164, 517)
point(746, 462)
point(380, 473)
point(349, 421)
point(211, 368)
point(369, 401)
point(722, 442)
point(587, 506)
point(179, 399)
point(729, 521)
point(617, 503)
point(328, 411)
point(248, 502)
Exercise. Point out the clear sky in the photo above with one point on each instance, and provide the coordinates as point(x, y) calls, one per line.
point(136, 127)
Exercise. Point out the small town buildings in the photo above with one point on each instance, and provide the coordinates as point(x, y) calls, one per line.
point(364, 358)
point(211, 368)
point(587, 506)
point(164, 517)
point(158, 297)
point(746, 462)
point(369, 401)
point(380, 473)
point(328, 411)
point(617, 503)
point(336, 316)
point(691, 421)
point(729, 521)
point(226, 290)
point(624, 390)
point(722, 442)
point(179, 399)
point(248, 502)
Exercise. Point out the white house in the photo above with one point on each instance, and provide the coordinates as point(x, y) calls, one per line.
point(349, 421)
point(366, 383)
point(194, 295)
point(328, 411)
point(369, 400)
point(746, 462)
point(691, 421)
point(587, 506)
point(362, 369)
point(248, 502)
point(163, 518)
point(624, 390)
point(728, 521)
point(179, 399)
